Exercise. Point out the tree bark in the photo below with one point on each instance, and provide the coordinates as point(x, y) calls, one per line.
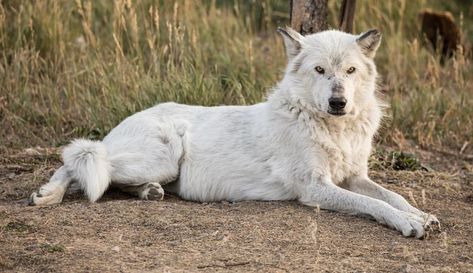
point(309, 16)
point(347, 16)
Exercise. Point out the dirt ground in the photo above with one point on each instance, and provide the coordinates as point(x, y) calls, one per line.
point(122, 234)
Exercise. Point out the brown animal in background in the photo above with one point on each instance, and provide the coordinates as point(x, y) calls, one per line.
point(441, 30)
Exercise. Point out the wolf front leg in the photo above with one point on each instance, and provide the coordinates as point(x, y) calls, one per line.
point(364, 185)
point(323, 193)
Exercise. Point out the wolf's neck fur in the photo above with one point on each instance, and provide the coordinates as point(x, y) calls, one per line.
point(346, 140)
point(366, 120)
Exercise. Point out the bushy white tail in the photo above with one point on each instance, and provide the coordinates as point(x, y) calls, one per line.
point(87, 162)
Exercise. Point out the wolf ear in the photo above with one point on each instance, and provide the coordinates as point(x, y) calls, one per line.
point(369, 42)
point(292, 40)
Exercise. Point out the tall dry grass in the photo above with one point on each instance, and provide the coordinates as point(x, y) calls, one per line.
point(76, 68)
point(430, 103)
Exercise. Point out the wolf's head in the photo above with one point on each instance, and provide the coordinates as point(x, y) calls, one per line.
point(332, 70)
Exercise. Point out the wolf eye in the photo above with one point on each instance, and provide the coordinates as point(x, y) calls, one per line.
point(351, 70)
point(319, 69)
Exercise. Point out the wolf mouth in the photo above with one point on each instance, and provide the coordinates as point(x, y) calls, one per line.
point(336, 113)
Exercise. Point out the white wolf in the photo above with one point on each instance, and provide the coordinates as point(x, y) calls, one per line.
point(310, 141)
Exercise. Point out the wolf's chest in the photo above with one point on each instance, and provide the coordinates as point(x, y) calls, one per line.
point(347, 155)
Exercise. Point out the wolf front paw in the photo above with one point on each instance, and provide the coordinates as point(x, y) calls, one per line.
point(431, 222)
point(410, 224)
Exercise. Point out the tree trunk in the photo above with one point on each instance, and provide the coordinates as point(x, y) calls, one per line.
point(347, 16)
point(309, 16)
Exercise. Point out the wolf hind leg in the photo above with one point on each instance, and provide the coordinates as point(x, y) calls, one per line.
point(145, 178)
point(141, 166)
point(53, 191)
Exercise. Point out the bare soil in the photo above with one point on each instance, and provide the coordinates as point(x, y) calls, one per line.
point(122, 234)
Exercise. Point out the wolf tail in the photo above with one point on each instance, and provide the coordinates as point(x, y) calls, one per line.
point(87, 162)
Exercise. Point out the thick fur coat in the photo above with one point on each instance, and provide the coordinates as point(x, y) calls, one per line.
point(309, 141)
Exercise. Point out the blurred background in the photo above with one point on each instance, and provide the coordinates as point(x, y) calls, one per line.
point(77, 68)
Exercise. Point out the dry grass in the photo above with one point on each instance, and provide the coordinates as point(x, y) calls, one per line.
point(76, 68)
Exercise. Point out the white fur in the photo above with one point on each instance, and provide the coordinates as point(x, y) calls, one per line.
point(91, 168)
point(287, 148)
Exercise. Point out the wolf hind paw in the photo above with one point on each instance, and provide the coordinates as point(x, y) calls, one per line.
point(152, 191)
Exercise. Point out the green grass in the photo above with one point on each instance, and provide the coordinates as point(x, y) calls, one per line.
point(51, 248)
point(77, 68)
point(19, 227)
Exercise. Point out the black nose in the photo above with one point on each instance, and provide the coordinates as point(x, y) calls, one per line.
point(337, 103)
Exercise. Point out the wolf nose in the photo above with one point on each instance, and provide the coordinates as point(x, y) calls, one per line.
point(337, 103)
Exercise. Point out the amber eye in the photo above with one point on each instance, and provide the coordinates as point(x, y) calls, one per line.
point(351, 70)
point(319, 69)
